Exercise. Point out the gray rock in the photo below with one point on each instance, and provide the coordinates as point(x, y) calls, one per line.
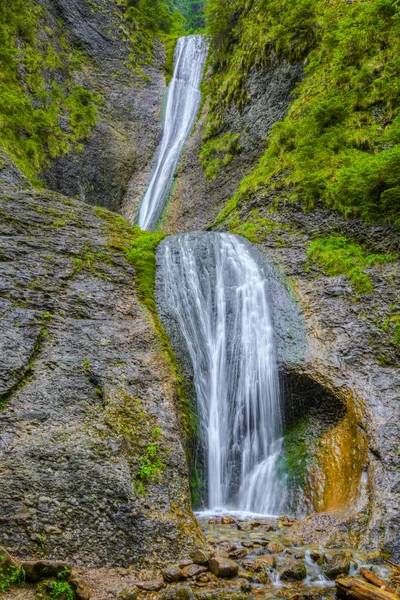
point(199, 556)
point(193, 570)
point(82, 351)
point(339, 564)
point(223, 567)
point(296, 571)
point(173, 574)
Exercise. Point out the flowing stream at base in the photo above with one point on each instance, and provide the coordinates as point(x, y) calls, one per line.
point(217, 293)
point(182, 105)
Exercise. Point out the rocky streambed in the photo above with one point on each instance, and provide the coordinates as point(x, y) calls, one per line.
point(244, 558)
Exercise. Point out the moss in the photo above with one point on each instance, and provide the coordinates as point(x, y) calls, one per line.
point(297, 456)
point(32, 105)
point(139, 248)
point(170, 45)
point(219, 152)
point(10, 576)
point(338, 256)
point(256, 229)
point(339, 141)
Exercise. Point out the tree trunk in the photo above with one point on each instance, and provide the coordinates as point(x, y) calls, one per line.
point(359, 589)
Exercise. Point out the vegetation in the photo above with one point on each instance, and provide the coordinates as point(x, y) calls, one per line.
point(338, 256)
point(340, 141)
point(10, 576)
point(31, 104)
point(219, 152)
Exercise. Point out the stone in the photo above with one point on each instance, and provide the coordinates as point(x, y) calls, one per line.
point(176, 593)
point(275, 548)
point(82, 590)
point(296, 571)
point(128, 595)
point(199, 557)
point(185, 562)
point(223, 567)
point(268, 560)
point(41, 569)
point(261, 577)
point(173, 574)
point(151, 586)
point(228, 520)
point(243, 574)
point(339, 564)
point(222, 553)
point(193, 570)
point(245, 586)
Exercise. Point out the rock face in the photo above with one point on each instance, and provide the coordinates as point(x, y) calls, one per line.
point(84, 391)
point(196, 200)
point(343, 389)
point(118, 152)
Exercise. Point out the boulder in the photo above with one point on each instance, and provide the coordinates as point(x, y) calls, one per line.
point(223, 567)
point(151, 586)
point(275, 548)
point(36, 570)
point(193, 570)
point(173, 574)
point(199, 557)
point(227, 520)
point(339, 564)
point(296, 571)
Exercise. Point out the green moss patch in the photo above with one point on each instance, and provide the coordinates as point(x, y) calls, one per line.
point(31, 104)
point(339, 141)
point(338, 256)
point(219, 152)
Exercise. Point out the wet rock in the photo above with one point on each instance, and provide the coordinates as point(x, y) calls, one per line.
point(214, 521)
point(222, 553)
point(240, 553)
point(275, 548)
point(185, 562)
point(316, 556)
point(296, 571)
point(41, 569)
point(261, 577)
point(339, 564)
point(247, 544)
point(173, 574)
point(228, 520)
point(176, 593)
point(268, 559)
point(243, 574)
point(128, 595)
point(193, 570)
point(223, 567)
point(151, 586)
point(252, 566)
point(245, 586)
point(199, 557)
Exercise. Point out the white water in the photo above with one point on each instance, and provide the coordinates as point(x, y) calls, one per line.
point(182, 105)
point(217, 293)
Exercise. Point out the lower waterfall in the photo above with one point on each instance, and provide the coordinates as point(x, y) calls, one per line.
point(217, 294)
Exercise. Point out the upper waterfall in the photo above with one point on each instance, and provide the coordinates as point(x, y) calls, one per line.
point(218, 295)
point(182, 105)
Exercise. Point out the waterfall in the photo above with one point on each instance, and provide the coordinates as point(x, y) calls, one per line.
point(182, 105)
point(215, 290)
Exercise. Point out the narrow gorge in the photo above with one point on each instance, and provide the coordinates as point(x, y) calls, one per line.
point(199, 299)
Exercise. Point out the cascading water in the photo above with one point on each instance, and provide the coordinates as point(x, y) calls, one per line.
point(217, 293)
point(183, 101)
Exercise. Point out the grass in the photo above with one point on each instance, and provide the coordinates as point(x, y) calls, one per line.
point(32, 104)
point(339, 142)
point(338, 256)
point(219, 152)
point(10, 576)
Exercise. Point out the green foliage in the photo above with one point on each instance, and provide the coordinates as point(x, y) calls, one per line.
point(338, 256)
point(10, 576)
point(297, 455)
point(193, 11)
point(31, 104)
point(150, 464)
point(56, 590)
point(141, 254)
point(219, 152)
point(339, 142)
point(256, 229)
